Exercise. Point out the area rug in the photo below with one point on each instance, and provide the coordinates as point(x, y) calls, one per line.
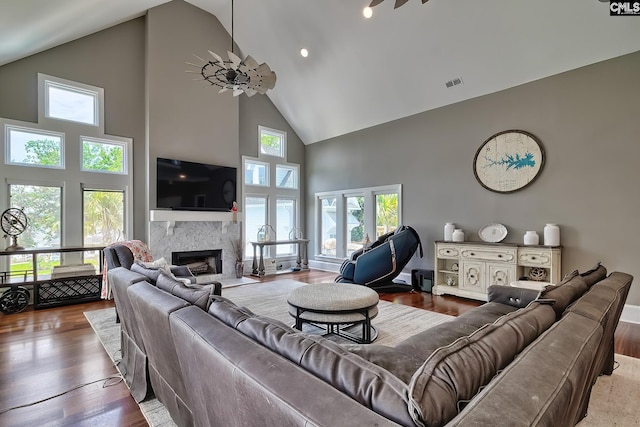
point(613, 399)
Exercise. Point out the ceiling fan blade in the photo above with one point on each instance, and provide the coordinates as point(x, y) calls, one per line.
point(399, 3)
point(237, 92)
point(250, 92)
point(251, 63)
point(424, 1)
point(234, 59)
point(224, 89)
point(375, 3)
point(217, 57)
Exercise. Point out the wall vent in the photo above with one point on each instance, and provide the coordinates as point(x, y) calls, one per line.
point(454, 82)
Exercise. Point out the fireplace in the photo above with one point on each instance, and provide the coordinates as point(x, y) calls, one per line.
point(199, 262)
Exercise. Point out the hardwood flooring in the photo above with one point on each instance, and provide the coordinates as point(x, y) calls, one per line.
point(45, 352)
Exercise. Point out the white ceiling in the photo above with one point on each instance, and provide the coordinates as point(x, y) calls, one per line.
point(360, 72)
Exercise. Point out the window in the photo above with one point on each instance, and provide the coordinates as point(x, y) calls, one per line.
point(255, 214)
point(287, 176)
point(386, 213)
point(328, 226)
point(285, 223)
point(348, 217)
point(34, 147)
point(256, 173)
point(272, 142)
point(355, 223)
point(271, 189)
point(102, 220)
point(43, 207)
point(71, 103)
point(103, 156)
point(72, 179)
point(102, 216)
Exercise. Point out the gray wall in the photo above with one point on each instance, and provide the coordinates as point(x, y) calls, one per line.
point(112, 59)
point(186, 120)
point(586, 120)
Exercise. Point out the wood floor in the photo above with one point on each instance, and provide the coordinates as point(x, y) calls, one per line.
point(45, 352)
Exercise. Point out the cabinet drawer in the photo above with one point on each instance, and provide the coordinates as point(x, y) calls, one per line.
point(534, 257)
point(506, 255)
point(448, 251)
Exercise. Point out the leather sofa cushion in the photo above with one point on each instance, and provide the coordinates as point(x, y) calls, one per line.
point(456, 372)
point(198, 295)
point(118, 256)
point(566, 292)
point(596, 274)
point(423, 344)
point(150, 273)
point(544, 384)
point(363, 381)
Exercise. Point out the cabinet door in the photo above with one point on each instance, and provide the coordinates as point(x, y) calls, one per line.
point(500, 274)
point(473, 276)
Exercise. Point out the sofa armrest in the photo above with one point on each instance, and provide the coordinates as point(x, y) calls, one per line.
point(511, 295)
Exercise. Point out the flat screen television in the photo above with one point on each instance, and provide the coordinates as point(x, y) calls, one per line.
point(185, 185)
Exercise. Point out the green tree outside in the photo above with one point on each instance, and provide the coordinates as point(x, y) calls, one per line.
point(386, 213)
point(98, 156)
point(42, 152)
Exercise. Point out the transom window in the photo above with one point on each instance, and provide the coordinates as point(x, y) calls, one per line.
point(272, 142)
point(256, 173)
point(71, 103)
point(34, 147)
point(103, 156)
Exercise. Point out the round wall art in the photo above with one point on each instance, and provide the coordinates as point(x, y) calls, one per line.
point(508, 161)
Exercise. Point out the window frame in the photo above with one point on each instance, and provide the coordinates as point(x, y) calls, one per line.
point(273, 132)
point(7, 138)
point(122, 144)
point(257, 162)
point(73, 87)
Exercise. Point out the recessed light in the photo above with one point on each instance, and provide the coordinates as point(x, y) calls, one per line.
point(304, 52)
point(367, 12)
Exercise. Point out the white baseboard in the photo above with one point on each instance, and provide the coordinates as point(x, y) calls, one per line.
point(630, 313)
point(325, 266)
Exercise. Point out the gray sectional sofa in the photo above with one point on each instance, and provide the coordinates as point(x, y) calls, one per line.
point(134, 361)
point(523, 358)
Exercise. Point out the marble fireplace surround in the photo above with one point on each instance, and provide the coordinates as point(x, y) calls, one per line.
point(178, 231)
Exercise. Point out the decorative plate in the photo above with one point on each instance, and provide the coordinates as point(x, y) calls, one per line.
point(493, 233)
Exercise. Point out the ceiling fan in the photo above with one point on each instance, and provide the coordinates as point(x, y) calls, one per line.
point(235, 73)
point(397, 5)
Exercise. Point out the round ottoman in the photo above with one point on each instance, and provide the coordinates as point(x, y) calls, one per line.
point(338, 306)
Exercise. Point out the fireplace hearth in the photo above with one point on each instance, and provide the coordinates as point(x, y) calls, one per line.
point(199, 262)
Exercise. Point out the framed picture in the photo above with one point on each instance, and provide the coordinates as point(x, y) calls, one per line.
point(508, 161)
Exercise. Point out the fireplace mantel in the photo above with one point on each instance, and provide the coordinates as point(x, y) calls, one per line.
point(171, 217)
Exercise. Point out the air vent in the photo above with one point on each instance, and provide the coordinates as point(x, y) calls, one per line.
point(454, 82)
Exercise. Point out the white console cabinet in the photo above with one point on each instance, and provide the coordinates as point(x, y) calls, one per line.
point(467, 269)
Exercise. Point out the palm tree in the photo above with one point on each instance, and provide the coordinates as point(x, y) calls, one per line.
point(386, 212)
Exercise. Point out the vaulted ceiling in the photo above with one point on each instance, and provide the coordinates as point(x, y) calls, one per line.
point(363, 72)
